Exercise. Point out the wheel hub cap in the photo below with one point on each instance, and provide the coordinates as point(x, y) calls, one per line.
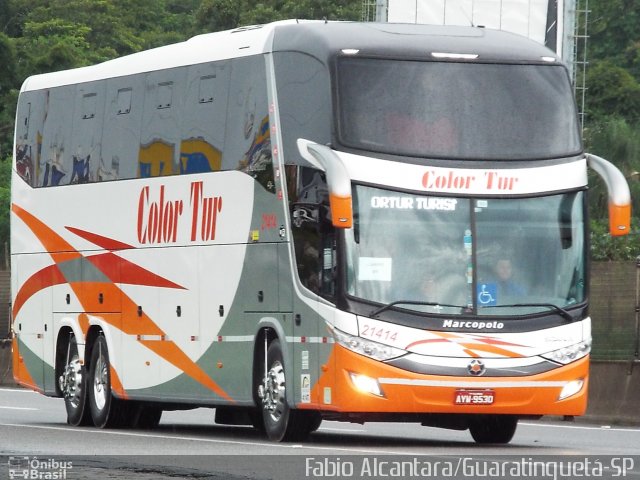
point(275, 392)
point(71, 382)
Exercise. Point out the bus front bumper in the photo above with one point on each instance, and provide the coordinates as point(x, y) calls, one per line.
point(354, 383)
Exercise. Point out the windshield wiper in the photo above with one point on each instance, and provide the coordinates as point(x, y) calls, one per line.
point(566, 315)
point(413, 302)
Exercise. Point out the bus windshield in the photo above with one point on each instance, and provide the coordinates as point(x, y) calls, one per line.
point(500, 257)
point(468, 111)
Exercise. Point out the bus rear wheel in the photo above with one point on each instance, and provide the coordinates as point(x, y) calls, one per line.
point(493, 428)
point(73, 384)
point(106, 410)
point(281, 422)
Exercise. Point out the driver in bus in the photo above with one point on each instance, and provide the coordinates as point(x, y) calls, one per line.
point(507, 287)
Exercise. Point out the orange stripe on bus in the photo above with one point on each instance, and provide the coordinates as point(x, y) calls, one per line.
point(119, 270)
point(59, 249)
point(21, 373)
point(116, 384)
point(83, 321)
point(172, 353)
point(483, 347)
point(99, 240)
point(47, 277)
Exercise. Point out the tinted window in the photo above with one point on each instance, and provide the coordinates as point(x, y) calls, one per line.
point(457, 110)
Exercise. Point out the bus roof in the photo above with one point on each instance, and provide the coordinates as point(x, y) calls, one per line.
point(318, 38)
point(411, 41)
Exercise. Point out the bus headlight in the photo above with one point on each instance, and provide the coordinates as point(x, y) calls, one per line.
point(365, 347)
point(569, 354)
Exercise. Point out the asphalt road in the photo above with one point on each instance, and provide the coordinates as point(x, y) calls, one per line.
point(189, 445)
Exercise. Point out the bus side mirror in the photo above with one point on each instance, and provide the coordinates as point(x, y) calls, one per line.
point(338, 181)
point(619, 195)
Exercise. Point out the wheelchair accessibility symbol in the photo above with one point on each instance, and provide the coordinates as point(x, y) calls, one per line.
point(487, 294)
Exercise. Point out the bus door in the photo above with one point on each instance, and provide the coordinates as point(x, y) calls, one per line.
point(315, 259)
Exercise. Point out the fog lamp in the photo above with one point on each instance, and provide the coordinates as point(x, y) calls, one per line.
point(366, 384)
point(571, 388)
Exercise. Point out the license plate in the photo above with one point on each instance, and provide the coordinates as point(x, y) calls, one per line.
point(474, 397)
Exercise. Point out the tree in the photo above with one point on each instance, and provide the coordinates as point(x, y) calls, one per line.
point(8, 79)
point(216, 15)
point(614, 28)
point(11, 17)
point(5, 204)
point(613, 115)
point(613, 91)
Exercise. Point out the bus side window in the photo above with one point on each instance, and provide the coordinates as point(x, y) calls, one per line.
point(313, 235)
point(315, 247)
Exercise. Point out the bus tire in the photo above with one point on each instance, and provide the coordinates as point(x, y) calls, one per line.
point(493, 428)
point(315, 420)
point(257, 420)
point(106, 410)
point(73, 383)
point(281, 422)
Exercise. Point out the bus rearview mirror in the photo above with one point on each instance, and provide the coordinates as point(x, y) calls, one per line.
point(338, 180)
point(619, 195)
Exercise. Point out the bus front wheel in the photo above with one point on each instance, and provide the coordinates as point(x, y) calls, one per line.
point(281, 422)
point(493, 428)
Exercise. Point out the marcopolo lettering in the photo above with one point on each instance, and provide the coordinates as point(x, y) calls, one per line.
point(472, 324)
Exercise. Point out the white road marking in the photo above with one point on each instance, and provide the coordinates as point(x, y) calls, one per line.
point(18, 408)
point(17, 390)
point(341, 430)
point(206, 440)
point(583, 427)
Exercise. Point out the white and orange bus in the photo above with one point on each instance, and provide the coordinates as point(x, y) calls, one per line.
point(304, 221)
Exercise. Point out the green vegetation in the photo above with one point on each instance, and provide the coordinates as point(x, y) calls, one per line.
point(39, 36)
point(612, 127)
